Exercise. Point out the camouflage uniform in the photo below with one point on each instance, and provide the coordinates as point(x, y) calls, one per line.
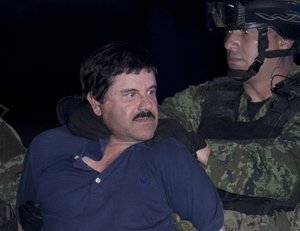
point(11, 161)
point(268, 168)
point(280, 221)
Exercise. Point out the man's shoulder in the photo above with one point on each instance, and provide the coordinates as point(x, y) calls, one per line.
point(58, 134)
point(169, 148)
point(170, 143)
point(10, 142)
point(56, 140)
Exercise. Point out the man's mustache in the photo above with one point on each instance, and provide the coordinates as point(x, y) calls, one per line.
point(144, 114)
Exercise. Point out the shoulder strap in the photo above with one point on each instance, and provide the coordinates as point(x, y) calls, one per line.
point(221, 107)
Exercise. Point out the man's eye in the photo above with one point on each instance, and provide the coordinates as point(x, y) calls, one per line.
point(245, 31)
point(152, 92)
point(229, 32)
point(131, 94)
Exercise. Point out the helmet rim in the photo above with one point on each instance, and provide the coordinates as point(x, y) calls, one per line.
point(282, 16)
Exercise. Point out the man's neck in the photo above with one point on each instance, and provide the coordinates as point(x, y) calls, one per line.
point(258, 88)
point(113, 150)
point(116, 146)
point(119, 144)
point(257, 91)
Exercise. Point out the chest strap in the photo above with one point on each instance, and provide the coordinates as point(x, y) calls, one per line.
point(220, 111)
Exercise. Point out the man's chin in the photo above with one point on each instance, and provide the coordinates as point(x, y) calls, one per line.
point(236, 74)
point(145, 135)
point(148, 136)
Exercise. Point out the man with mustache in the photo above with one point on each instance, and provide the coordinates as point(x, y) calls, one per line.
point(123, 182)
point(249, 118)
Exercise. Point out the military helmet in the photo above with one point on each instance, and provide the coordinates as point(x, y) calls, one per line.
point(282, 15)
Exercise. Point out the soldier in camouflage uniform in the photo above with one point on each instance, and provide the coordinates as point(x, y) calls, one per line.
point(251, 119)
point(11, 161)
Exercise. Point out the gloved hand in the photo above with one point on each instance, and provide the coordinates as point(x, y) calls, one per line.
point(80, 118)
point(172, 128)
point(67, 106)
point(30, 216)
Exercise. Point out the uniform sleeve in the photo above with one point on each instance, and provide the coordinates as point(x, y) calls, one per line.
point(11, 162)
point(190, 191)
point(184, 106)
point(10, 172)
point(263, 168)
point(27, 187)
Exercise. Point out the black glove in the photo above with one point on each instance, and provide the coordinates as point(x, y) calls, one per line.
point(80, 118)
point(172, 128)
point(30, 216)
point(67, 106)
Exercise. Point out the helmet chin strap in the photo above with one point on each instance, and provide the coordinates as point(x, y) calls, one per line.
point(263, 44)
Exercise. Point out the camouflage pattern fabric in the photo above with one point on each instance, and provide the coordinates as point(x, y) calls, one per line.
point(182, 225)
point(10, 173)
point(261, 168)
point(268, 168)
point(294, 218)
point(280, 221)
point(8, 220)
point(235, 221)
point(11, 161)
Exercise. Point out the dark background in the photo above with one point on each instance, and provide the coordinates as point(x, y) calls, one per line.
point(43, 42)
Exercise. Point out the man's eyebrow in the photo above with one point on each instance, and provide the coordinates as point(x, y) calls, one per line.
point(128, 90)
point(154, 86)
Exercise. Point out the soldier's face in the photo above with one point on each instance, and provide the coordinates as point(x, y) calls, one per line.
point(242, 48)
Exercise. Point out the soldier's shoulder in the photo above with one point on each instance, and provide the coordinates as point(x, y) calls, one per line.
point(10, 142)
point(12, 152)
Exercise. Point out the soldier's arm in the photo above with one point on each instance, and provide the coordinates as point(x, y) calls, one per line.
point(184, 106)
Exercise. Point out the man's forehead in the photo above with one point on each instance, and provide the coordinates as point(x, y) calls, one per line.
point(135, 78)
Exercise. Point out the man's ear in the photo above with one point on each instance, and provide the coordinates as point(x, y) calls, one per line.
point(286, 43)
point(94, 104)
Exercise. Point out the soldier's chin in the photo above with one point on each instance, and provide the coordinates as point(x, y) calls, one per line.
point(239, 75)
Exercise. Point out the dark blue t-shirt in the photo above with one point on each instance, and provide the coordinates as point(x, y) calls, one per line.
point(137, 191)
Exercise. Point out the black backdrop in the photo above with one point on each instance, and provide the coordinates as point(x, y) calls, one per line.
point(43, 42)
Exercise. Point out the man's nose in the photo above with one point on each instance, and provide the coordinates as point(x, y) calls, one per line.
point(232, 40)
point(145, 103)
